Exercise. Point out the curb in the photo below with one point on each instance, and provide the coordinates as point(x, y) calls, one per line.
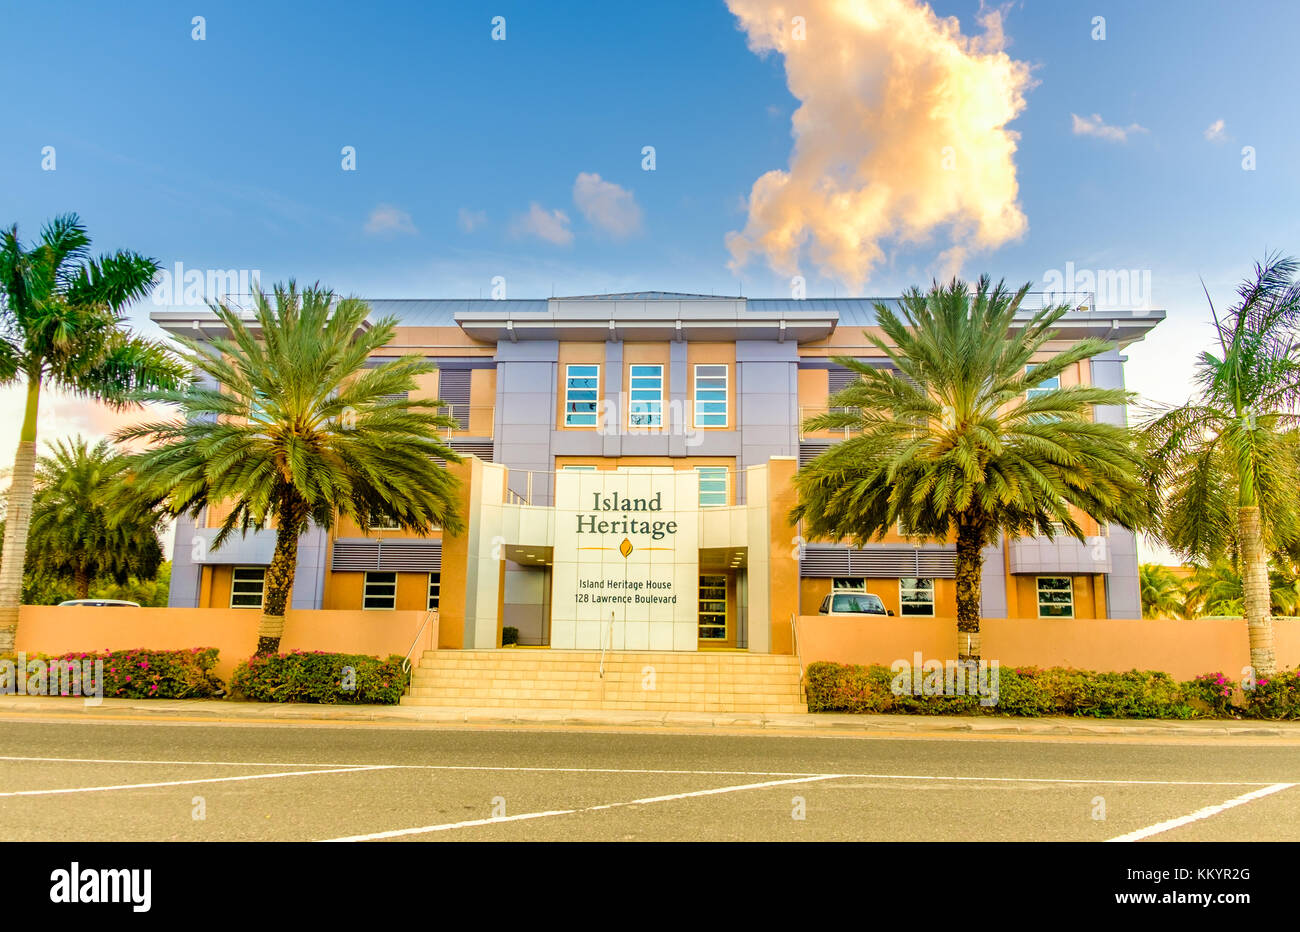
point(827, 723)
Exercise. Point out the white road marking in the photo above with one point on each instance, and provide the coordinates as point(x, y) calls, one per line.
point(448, 826)
point(343, 767)
point(1200, 814)
point(143, 786)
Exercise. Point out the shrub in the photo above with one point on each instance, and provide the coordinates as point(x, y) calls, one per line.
point(141, 673)
point(1277, 699)
point(1212, 694)
point(316, 676)
point(509, 635)
point(1025, 691)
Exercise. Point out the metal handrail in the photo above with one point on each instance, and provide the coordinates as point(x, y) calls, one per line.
point(604, 641)
point(406, 661)
point(798, 654)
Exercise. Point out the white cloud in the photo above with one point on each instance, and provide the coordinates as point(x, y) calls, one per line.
point(873, 166)
point(606, 205)
point(1214, 132)
point(386, 218)
point(549, 225)
point(1096, 126)
point(470, 220)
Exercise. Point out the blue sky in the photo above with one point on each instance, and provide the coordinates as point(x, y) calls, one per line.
point(225, 153)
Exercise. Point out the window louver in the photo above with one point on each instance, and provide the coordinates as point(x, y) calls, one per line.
point(398, 555)
point(880, 562)
point(453, 389)
point(809, 450)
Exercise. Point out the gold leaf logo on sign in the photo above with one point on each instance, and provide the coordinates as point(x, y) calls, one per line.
point(625, 548)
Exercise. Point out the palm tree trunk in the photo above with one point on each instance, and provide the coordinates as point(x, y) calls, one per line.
point(81, 582)
point(970, 567)
point(18, 519)
point(1254, 584)
point(279, 576)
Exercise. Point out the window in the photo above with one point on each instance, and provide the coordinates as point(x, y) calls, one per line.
point(1055, 597)
point(844, 584)
point(710, 396)
point(1047, 385)
point(713, 608)
point(645, 405)
point(247, 586)
point(713, 485)
point(383, 523)
point(916, 596)
point(380, 591)
point(578, 468)
point(581, 389)
point(435, 588)
point(257, 407)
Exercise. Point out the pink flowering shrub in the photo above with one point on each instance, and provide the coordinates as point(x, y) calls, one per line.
point(142, 673)
point(1276, 699)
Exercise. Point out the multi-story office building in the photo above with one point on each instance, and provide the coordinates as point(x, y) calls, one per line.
point(630, 481)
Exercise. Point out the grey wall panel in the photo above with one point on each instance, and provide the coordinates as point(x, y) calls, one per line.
point(678, 403)
point(1123, 591)
point(1108, 372)
point(993, 583)
point(1036, 555)
point(184, 589)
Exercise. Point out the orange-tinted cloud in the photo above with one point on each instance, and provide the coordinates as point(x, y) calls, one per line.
point(901, 135)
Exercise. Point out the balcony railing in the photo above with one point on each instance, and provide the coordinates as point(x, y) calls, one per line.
point(471, 420)
point(840, 433)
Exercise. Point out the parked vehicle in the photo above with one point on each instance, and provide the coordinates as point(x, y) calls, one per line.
point(100, 603)
point(853, 603)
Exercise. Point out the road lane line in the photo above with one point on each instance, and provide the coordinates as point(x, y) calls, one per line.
point(448, 826)
point(1200, 814)
point(143, 786)
point(342, 767)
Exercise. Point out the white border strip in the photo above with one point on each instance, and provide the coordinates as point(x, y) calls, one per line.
point(1200, 814)
point(448, 826)
point(143, 786)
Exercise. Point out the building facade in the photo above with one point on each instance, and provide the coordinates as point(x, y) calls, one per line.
point(627, 480)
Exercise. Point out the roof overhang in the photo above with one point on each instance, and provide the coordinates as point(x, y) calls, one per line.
point(202, 325)
point(598, 321)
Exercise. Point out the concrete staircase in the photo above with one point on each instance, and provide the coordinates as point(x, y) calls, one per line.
point(660, 681)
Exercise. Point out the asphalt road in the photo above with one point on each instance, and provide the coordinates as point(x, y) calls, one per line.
point(136, 781)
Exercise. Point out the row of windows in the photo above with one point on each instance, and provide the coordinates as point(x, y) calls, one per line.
point(916, 595)
point(645, 406)
point(379, 590)
point(713, 482)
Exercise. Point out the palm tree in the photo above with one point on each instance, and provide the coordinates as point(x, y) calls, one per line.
point(1217, 590)
point(1163, 593)
point(86, 521)
point(300, 429)
point(962, 438)
point(1226, 460)
point(61, 325)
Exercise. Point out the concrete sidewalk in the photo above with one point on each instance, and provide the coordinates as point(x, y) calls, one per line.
point(819, 723)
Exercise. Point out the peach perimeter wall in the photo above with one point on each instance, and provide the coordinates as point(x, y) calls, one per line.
point(1182, 649)
point(50, 629)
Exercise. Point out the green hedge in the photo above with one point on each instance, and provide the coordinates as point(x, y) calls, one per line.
point(141, 673)
point(1030, 691)
point(316, 676)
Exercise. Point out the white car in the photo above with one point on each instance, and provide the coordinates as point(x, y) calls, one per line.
point(853, 603)
point(100, 603)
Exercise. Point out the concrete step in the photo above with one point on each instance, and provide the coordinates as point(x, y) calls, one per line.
point(703, 681)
